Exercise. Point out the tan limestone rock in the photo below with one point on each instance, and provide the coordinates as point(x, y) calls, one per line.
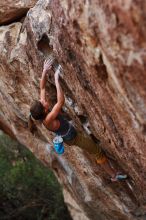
point(13, 10)
point(101, 47)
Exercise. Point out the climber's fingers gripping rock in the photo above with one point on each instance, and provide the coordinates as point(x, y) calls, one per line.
point(48, 64)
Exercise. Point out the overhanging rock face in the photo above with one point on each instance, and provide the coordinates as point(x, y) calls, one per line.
point(102, 49)
point(13, 10)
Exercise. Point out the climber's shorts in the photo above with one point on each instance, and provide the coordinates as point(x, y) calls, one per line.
point(70, 135)
point(86, 143)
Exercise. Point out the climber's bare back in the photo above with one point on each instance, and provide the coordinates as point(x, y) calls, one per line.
point(53, 125)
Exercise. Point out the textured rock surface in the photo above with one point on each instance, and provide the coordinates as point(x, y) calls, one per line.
point(101, 46)
point(12, 10)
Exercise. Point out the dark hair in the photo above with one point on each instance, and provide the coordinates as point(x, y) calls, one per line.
point(37, 111)
point(31, 125)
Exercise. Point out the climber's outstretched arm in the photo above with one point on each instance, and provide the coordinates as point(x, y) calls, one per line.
point(47, 66)
point(60, 93)
point(60, 100)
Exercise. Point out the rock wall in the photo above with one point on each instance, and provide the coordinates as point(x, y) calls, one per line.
point(10, 11)
point(102, 49)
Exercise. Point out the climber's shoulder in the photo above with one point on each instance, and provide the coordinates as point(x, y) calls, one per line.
point(50, 123)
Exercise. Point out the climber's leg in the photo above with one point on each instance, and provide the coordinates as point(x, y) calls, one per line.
point(104, 162)
point(106, 166)
point(86, 143)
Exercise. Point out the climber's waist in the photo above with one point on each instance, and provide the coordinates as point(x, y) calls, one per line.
point(69, 134)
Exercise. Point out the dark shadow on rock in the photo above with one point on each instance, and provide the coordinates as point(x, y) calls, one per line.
point(47, 50)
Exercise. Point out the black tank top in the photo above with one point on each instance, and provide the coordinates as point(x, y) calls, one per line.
point(64, 125)
point(66, 130)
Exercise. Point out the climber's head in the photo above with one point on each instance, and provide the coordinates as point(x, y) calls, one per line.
point(38, 110)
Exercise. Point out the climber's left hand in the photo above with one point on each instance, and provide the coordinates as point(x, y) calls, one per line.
point(48, 64)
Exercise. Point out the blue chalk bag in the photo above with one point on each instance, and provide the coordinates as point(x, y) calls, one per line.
point(58, 144)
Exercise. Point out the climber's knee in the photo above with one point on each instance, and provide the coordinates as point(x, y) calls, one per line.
point(100, 156)
point(101, 160)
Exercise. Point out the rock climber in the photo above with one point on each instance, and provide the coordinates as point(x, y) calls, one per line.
point(54, 121)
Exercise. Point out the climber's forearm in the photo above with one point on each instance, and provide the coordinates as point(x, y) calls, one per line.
point(46, 68)
point(42, 87)
point(43, 80)
point(60, 93)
